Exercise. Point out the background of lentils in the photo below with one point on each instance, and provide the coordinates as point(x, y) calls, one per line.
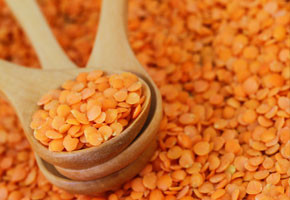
point(223, 70)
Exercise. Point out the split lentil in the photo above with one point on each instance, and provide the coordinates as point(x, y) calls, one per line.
point(223, 71)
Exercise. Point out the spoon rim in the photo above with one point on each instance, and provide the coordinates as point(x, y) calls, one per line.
point(102, 184)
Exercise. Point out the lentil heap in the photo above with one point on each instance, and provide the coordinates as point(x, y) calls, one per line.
point(223, 68)
point(87, 111)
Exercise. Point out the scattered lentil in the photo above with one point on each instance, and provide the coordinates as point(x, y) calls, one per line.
point(219, 65)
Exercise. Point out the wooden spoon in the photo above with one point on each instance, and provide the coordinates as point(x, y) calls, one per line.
point(117, 47)
point(32, 20)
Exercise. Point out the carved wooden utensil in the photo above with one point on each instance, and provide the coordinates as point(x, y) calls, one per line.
point(112, 54)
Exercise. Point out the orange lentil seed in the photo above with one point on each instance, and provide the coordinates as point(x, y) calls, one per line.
point(218, 193)
point(202, 148)
point(254, 187)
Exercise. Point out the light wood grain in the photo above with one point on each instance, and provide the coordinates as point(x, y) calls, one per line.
point(31, 19)
point(24, 86)
point(95, 187)
point(111, 47)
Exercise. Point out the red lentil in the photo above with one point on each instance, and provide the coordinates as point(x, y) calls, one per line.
point(220, 66)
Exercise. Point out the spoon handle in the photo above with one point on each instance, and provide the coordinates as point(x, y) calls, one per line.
point(111, 48)
point(19, 91)
point(50, 53)
point(9, 76)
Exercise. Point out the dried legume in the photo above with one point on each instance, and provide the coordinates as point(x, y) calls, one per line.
point(220, 66)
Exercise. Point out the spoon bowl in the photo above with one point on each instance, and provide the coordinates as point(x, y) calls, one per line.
point(46, 80)
point(143, 147)
point(93, 156)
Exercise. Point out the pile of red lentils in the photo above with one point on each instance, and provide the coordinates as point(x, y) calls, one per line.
point(223, 69)
point(87, 111)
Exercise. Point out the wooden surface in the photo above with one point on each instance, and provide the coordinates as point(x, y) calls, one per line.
point(111, 53)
